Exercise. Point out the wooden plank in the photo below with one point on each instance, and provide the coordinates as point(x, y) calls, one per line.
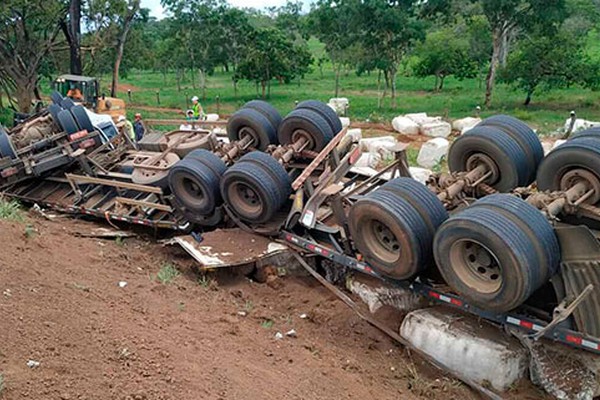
point(117, 184)
point(141, 203)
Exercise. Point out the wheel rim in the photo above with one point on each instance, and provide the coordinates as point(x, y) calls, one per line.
point(247, 131)
point(476, 265)
point(575, 176)
point(302, 134)
point(191, 191)
point(382, 241)
point(245, 200)
point(481, 159)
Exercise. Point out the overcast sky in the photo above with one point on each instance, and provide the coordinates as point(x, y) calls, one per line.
point(157, 11)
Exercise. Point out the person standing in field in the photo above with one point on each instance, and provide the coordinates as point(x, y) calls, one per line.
point(138, 127)
point(197, 108)
point(127, 127)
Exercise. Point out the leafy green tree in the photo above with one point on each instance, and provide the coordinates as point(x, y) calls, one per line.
point(271, 55)
point(445, 52)
point(334, 23)
point(546, 62)
point(28, 32)
point(235, 33)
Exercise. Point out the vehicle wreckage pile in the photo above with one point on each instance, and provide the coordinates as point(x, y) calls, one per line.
point(512, 232)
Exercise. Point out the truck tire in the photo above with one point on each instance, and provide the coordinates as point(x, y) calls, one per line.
point(391, 234)
point(82, 119)
point(195, 186)
point(590, 132)
point(6, 147)
point(486, 257)
point(273, 168)
point(249, 121)
point(531, 221)
point(253, 192)
point(67, 122)
point(577, 159)
point(308, 124)
point(421, 198)
point(324, 111)
point(56, 97)
point(522, 134)
point(67, 103)
point(267, 110)
point(510, 162)
point(210, 160)
point(54, 109)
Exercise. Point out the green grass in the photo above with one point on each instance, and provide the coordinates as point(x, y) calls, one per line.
point(11, 210)
point(167, 274)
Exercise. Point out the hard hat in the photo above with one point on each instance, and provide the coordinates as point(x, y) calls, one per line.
point(121, 118)
point(195, 98)
point(138, 115)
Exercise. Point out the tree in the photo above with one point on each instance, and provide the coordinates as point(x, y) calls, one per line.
point(545, 62)
point(505, 17)
point(334, 23)
point(445, 52)
point(387, 31)
point(128, 14)
point(71, 27)
point(235, 31)
point(271, 55)
point(28, 31)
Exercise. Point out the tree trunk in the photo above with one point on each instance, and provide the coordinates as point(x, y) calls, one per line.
point(379, 89)
point(131, 12)
point(498, 36)
point(263, 85)
point(72, 32)
point(24, 93)
point(393, 87)
point(441, 83)
point(178, 75)
point(528, 98)
point(337, 81)
point(436, 84)
point(203, 83)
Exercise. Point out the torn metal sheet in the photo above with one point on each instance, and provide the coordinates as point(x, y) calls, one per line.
point(105, 233)
point(228, 248)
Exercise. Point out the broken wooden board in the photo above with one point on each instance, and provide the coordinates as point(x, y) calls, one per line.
point(228, 248)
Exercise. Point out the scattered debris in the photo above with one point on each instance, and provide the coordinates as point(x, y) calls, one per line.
point(33, 364)
point(291, 333)
point(7, 293)
point(278, 336)
point(122, 284)
point(105, 233)
point(432, 152)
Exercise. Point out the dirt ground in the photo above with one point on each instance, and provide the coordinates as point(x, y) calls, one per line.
point(209, 338)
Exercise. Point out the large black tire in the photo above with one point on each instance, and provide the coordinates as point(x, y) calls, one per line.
point(512, 164)
point(324, 111)
point(487, 257)
point(56, 97)
point(421, 198)
point(67, 122)
point(267, 110)
point(6, 147)
point(54, 109)
point(253, 191)
point(531, 221)
point(82, 119)
point(302, 122)
point(590, 132)
point(273, 168)
point(210, 159)
point(523, 134)
point(67, 103)
point(581, 153)
point(248, 121)
point(195, 187)
point(391, 234)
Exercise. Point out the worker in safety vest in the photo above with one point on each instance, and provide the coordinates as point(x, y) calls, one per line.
point(197, 108)
point(127, 127)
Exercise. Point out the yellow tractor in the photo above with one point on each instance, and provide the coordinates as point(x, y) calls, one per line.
point(85, 90)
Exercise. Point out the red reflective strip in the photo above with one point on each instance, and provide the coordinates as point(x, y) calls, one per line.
point(456, 302)
point(526, 324)
point(574, 339)
point(434, 294)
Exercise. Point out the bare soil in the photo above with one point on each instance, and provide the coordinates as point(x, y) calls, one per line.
point(212, 338)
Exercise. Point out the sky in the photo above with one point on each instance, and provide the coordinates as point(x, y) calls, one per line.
point(157, 11)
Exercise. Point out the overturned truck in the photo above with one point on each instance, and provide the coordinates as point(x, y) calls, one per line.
point(508, 234)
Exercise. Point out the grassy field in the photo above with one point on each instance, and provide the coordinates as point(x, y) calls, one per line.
point(547, 112)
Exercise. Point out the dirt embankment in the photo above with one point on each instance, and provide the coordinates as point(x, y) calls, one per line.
point(61, 305)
